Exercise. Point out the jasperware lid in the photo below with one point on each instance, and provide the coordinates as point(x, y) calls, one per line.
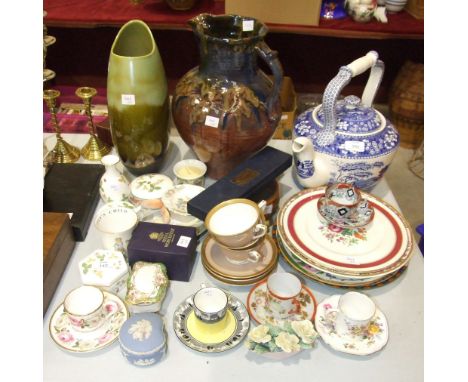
point(142, 333)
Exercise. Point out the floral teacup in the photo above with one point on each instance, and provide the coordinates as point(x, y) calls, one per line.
point(354, 313)
point(282, 290)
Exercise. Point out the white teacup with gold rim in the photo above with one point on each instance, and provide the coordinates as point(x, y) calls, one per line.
point(84, 307)
point(236, 223)
point(354, 313)
point(282, 290)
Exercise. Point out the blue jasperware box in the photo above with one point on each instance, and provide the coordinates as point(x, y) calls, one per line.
point(143, 339)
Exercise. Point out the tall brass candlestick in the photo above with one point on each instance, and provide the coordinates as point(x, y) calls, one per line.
point(63, 152)
point(94, 149)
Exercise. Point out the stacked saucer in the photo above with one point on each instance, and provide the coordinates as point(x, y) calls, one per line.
point(343, 255)
point(238, 250)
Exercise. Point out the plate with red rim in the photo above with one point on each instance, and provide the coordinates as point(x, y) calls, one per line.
point(375, 250)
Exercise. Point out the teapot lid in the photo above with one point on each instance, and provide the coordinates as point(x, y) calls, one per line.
point(353, 116)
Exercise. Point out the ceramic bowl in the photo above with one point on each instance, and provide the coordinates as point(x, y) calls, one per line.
point(143, 339)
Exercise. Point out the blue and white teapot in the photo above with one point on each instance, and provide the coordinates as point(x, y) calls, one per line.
point(345, 141)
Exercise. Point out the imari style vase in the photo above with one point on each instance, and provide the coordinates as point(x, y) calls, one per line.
point(226, 109)
point(137, 99)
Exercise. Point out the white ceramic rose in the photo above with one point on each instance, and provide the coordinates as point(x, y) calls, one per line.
point(288, 342)
point(305, 330)
point(260, 335)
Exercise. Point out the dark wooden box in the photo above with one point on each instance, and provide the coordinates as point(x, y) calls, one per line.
point(58, 245)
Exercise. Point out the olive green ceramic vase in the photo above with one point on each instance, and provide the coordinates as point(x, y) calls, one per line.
point(137, 99)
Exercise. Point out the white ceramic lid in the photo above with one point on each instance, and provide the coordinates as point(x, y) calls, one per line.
point(151, 186)
point(102, 268)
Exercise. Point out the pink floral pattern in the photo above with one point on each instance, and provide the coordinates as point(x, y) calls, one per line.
point(345, 236)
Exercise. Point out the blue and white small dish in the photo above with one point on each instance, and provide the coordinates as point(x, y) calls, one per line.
point(143, 339)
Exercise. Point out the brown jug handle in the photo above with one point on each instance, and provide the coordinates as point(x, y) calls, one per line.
point(271, 58)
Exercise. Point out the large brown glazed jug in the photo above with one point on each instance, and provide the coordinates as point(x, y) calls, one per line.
point(227, 108)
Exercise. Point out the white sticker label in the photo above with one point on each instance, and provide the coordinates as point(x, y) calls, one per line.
point(355, 146)
point(284, 117)
point(247, 25)
point(184, 241)
point(211, 121)
point(351, 260)
point(268, 209)
point(128, 99)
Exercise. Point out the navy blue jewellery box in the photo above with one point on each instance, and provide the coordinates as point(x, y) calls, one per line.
point(174, 246)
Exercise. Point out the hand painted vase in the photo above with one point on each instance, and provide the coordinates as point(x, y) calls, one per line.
point(113, 186)
point(345, 141)
point(226, 109)
point(137, 99)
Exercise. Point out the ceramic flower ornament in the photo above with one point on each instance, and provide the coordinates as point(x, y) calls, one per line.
point(279, 342)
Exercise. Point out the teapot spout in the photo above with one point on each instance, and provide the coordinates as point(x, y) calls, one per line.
point(304, 155)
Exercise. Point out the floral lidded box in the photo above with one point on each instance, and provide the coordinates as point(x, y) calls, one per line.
point(143, 339)
point(106, 269)
point(147, 286)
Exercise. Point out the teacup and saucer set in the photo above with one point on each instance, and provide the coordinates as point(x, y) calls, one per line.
point(88, 320)
point(211, 320)
point(238, 249)
point(343, 206)
point(351, 323)
point(279, 298)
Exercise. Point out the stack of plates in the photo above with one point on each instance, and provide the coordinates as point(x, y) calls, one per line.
point(343, 257)
point(215, 260)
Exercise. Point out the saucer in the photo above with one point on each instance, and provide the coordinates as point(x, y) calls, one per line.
point(75, 341)
point(362, 342)
point(306, 305)
point(214, 259)
point(211, 338)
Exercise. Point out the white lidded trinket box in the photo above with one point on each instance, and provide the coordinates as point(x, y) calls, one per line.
point(106, 269)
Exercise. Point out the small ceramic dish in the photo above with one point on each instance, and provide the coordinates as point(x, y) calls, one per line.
point(143, 339)
point(359, 342)
point(176, 199)
point(211, 338)
point(305, 304)
point(65, 336)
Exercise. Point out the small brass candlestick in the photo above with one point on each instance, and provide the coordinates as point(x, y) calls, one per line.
point(63, 152)
point(94, 149)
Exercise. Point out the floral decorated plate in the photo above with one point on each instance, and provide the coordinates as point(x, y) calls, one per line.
point(75, 341)
point(363, 252)
point(306, 306)
point(211, 338)
point(362, 342)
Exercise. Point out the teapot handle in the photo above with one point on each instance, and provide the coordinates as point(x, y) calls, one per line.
point(271, 58)
point(336, 85)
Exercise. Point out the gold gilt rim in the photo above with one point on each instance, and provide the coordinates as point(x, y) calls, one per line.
point(336, 284)
point(229, 202)
point(106, 294)
point(404, 257)
point(209, 267)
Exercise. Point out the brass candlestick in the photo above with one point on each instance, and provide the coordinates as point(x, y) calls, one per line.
point(94, 149)
point(63, 152)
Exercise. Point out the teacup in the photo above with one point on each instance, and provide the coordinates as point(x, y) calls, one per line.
point(190, 171)
point(282, 291)
point(354, 313)
point(236, 223)
point(116, 224)
point(343, 206)
point(84, 307)
point(210, 304)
